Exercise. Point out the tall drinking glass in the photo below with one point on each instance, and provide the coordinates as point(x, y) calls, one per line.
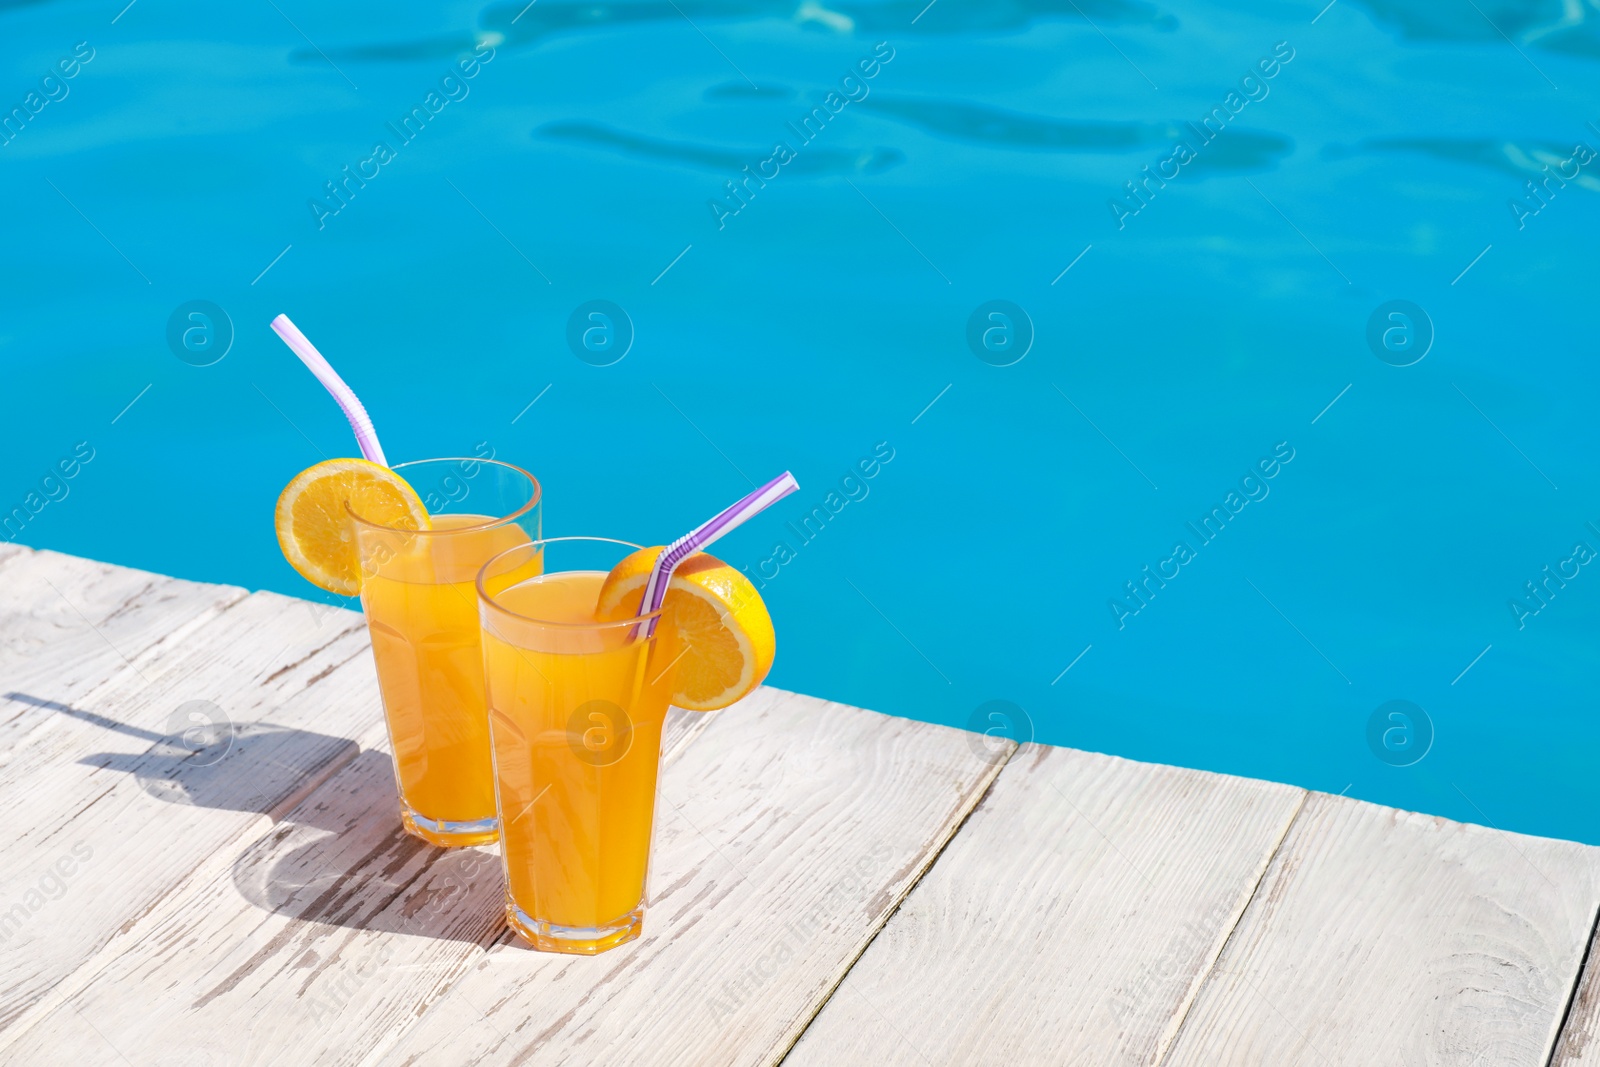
point(575, 709)
point(422, 612)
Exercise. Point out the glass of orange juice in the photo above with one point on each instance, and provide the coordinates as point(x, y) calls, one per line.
point(422, 612)
point(576, 708)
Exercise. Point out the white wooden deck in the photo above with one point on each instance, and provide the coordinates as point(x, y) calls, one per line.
point(831, 886)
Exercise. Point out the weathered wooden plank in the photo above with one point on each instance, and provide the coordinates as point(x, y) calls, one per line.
point(1069, 922)
point(785, 835)
point(321, 937)
point(69, 624)
point(1387, 937)
point(113, 813)
point(1577, 1046)
point(335, 926)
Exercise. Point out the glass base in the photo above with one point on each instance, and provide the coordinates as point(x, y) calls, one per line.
point(448, 834)
point(575, 940)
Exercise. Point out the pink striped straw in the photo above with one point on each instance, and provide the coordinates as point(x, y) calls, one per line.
point(343, 395)
point(655, 588)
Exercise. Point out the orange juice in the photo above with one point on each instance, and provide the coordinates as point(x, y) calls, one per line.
point(421, 607)
point(576, 709)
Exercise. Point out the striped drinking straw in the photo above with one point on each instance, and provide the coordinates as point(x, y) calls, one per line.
point(655, 588)
point(342, 394)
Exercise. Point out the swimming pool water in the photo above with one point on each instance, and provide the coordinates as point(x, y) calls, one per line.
point(1076, 322)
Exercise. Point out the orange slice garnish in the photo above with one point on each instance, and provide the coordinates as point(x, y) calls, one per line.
point(718, 619)
point(314, 528)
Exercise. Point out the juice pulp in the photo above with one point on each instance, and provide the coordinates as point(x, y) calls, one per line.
point(576, 715)
point(422, 611)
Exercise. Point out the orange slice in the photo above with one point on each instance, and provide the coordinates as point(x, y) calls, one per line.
point(315, 531)
point(717, 615)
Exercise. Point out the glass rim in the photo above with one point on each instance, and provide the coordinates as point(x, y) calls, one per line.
point(533, 501)
point(484, 597)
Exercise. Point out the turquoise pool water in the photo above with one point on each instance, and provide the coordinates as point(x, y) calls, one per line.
point(1100, 293)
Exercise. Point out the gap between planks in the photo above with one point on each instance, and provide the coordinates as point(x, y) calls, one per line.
point(1208, 968)
point(1317, 910)
point(1202, 975)
point(957, 824)
point(1567, 1048)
